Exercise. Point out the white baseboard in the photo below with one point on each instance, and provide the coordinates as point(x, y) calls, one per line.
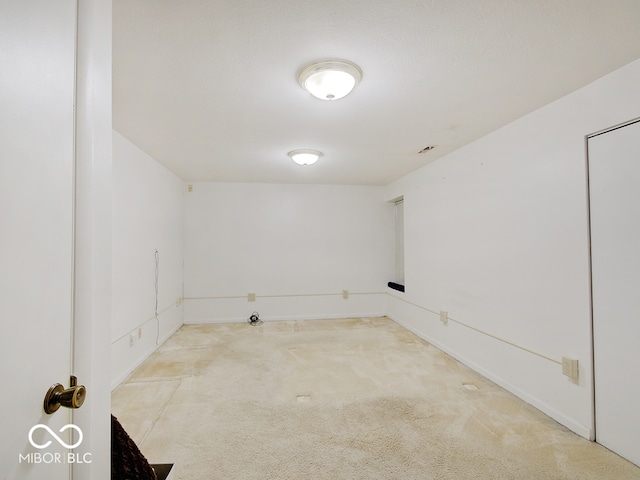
point(202, 321)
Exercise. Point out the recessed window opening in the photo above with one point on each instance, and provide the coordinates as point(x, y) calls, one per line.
point(398, 281)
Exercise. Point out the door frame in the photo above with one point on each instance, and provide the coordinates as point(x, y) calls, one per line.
point(92, 234)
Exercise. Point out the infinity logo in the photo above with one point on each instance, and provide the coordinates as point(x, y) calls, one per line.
point(58, 439)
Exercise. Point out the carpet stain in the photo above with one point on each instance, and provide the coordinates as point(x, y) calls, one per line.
point(355, 399)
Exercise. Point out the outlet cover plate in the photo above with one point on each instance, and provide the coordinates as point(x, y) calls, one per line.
point(570, 367)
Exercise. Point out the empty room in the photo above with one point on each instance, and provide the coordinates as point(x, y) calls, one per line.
point(456, 169)
point(330, 240)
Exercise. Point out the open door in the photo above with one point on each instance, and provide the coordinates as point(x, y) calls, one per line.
point(37, 87)
point(39, 243)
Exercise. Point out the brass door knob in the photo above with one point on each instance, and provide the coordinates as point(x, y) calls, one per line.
point(57, 396)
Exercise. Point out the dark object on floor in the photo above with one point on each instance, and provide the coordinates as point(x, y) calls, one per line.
point(396, 286)
point(254, 319)
point(127, 462)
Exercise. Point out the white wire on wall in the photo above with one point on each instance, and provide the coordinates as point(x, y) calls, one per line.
point(495, 337)
point(337, 294)
point(142, 324)
point(157, 312)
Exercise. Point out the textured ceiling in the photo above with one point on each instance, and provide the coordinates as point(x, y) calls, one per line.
point(208, 87)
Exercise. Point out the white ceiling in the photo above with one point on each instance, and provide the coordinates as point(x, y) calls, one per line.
point(208, 88)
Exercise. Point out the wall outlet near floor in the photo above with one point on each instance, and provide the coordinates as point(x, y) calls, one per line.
point(570, 367)
point(345, 294)
point(444, 317)
point(251, 297)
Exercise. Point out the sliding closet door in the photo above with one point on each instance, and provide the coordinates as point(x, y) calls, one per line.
point(614, 183)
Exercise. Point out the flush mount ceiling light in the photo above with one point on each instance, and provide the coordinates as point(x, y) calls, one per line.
point(305, 157)
point(330, 79)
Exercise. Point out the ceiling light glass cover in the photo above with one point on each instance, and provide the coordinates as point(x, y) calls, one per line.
point(330, 79)
point(305, 157)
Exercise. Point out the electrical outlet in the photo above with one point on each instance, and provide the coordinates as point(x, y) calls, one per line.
point(444, 317)
point(178, 302)
point(251, 297)
point(190, 188)
point(345, 294)
point(570, 367)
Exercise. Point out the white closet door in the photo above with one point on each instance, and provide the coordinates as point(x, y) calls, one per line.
point(614, 183)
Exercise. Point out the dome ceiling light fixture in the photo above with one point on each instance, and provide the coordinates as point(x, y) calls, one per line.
point(330, 79)
point(305, 156)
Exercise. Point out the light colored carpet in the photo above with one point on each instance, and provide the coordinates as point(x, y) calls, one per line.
point(339, 399)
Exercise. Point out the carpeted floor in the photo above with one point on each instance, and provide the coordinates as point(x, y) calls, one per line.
point(339, 400)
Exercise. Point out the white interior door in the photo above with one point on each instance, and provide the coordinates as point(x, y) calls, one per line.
point(37, 72)
point(614, 176)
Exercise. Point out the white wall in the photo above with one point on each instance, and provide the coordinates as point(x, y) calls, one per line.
point(147, 216)
point(297, 247)
point(496, 234)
